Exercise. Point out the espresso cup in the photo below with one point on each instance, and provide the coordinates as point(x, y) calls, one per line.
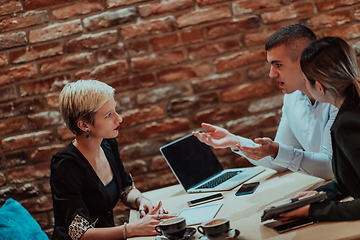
point(172, 228)
point(214, 227)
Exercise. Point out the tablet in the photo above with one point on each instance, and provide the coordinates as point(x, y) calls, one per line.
point(197, 215)
point(273, 212)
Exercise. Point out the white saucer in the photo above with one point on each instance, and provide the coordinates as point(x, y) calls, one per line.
point(232, 234)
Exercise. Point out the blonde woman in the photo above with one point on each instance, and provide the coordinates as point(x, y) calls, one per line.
point(88, 177)
point(331, 69)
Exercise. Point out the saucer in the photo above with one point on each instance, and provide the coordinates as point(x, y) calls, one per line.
point(189, 232)
point(232, 234)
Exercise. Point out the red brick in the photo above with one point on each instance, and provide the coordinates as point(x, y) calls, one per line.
point(27, 140)
point(44, 119)
point(159, 25)
point(219, 114)
point(12, 125)
point(145, 63)
point(204, 15)
point(259, 70)
point(248, 6)
point(164, 7)
point(133, 82)
point(52, 99)
point(55, 31)
point(91, 41)
point(177, 39)
point(76, 9)
point(10, 6)
point(110, 19)
point(357, 13)
point(252, 123)
point(247, 90)
point(213, 48)
point(34, 205)
point(324, 5)
point(44, 154)
point(34, 4)
point(159, 94)
point(35, 52)
point(291, 11)
point(9, 40)
point(121, 3)
point(187, 105)
point(239, 59)
point(21, 106)
point(217, 82)
point(8, 93)
point(184, 72)
point(126, 136)
point(136, 47)
point(136, 167)
point(65, 63)
point(164, 127)
point(109, 70)
point(230, 28)
point(209, 2)
point(111, 54)
point(14, 158)
point(266, 104)
point(23, 20)
point(136, 116)
point(65, 133)
point(259, 37)
point(3, 60)
point(2, 179)
point(17, 73)
point(347, 32)
point(139, 150)
point(327, 20)
point(43, 86)
point(19, 192)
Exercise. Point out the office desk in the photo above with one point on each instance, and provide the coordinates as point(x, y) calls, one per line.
point(245, 211)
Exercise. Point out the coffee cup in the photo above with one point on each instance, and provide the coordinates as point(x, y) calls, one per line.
point(172, 228)
point(214, 227)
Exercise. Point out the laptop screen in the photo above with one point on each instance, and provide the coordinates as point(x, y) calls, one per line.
point(191, 160)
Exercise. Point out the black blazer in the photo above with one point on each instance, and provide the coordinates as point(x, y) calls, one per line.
point(77, 190)
point(345, 134)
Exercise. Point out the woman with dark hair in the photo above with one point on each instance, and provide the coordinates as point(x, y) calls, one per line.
point(331, 69)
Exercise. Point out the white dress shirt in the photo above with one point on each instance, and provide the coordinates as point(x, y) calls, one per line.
point(303, 136)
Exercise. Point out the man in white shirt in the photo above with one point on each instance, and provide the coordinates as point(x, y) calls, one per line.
point(302, 142)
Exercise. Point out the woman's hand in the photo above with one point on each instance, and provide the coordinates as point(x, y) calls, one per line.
point(146, 225)
point(297, 213)
point(148, 207)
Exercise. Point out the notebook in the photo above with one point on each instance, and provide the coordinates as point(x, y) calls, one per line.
point(197, 168)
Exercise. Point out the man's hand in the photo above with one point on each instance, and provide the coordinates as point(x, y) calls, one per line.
point(267, 148)
point(217, 137)
point(297, 213)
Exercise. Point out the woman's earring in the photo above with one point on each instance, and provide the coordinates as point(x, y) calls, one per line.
point(87, 133)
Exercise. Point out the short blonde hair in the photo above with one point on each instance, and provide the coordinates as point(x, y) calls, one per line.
point(81, 100)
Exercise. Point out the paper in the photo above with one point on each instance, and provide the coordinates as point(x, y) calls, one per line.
point(197, 215)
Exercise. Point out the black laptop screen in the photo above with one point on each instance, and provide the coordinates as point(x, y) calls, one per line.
point(191, 160)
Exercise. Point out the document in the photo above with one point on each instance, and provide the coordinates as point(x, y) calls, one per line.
point(197, 215)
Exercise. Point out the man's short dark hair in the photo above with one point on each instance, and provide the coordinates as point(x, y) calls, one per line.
point(297, 37)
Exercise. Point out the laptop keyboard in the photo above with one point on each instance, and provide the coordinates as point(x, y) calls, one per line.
point(220, 179)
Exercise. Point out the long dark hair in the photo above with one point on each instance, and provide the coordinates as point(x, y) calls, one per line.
point(331, 62)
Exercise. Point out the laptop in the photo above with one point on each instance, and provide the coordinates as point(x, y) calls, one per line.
point(197, 168)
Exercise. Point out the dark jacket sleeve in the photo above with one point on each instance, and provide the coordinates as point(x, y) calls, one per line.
point(67, 178)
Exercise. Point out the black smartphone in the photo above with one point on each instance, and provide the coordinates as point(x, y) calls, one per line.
point(247, 188)
point(293, 225)
point(206, 199)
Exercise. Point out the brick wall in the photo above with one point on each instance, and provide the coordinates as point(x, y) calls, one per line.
point(174, 64)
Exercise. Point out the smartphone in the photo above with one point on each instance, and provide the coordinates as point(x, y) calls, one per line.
point(293, 225)
point(206, 199)
point(247, 188)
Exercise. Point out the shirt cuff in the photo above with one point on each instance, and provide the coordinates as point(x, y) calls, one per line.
point(79, 226)
point(285, 156)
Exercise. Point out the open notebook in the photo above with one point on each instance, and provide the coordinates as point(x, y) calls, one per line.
point(197, 168)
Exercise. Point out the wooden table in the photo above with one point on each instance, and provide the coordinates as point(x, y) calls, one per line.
point(245, 211)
